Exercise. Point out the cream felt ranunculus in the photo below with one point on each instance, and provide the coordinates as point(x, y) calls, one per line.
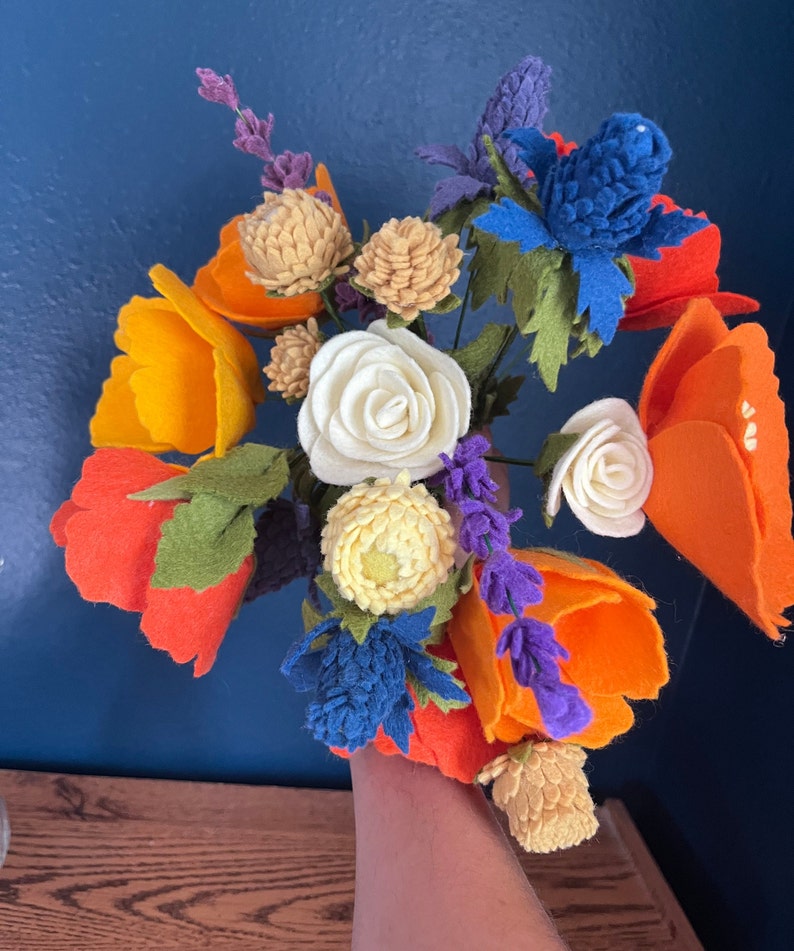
point(381, 400)
point(606, 475)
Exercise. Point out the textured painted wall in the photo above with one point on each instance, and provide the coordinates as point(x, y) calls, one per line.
point(110, 163)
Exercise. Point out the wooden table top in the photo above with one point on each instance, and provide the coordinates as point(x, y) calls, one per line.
point(98, 863)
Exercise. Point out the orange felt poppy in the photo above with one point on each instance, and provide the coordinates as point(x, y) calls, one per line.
point(222, 283)
point(187, 380)
point(452, 742)
point(665, 287)
point(607, 626)
point(717, 437)
point(111, 541)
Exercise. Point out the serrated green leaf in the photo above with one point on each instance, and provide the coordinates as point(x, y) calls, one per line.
point(491, 267)
point(457, 219)
point(508, 186)
point(447, 305)
point(444, 599)
point(207, 539)
point(350, 615)
point(425, 696)
point(250, 474)
point(503, 394)
point(476, 358)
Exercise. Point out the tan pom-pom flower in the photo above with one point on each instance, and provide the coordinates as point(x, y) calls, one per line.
point(388, 545)
point(545, 795)
point(290, 358)
point(409, 266)
point(294, 243)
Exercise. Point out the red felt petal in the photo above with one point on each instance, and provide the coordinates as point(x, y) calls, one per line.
point(191, 624)
point(59, 520)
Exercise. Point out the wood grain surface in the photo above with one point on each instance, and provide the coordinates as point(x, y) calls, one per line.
point(100, 863)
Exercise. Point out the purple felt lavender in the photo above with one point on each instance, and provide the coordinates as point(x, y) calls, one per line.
point(519, 101)
point(215, 88)
point(465, 475)
point(287, 547)
point(253, 135)
point(509, 586)
point(324, 197)
point(348, 298)
point(534, 654)
point(288, 170)
point(485, 529)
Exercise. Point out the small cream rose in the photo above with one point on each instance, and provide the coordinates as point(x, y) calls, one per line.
point(607, 474)
point(380, 401)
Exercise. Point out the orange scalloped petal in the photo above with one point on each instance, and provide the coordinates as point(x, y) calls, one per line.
point(612, 717)
point(191, 624)
point(704, 506)
point(115, 422)
point(223, 286)
point(111, 540)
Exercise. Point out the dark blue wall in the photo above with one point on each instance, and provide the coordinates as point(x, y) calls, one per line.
point(110, 162)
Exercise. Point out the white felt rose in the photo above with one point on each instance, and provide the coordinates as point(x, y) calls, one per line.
point(381, 400)
point(607, 474)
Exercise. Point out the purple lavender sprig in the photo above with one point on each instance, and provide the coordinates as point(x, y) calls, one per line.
point(252, 135)
point(509, 586)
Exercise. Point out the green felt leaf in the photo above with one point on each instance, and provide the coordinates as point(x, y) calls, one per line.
point(544, 302)
point(207, 539)
point(477, 357)
point(444, 599)
point(447, 305)
point(500, 395)
point(360, 288)
point(491, 267)
point(425, 696)
point(508, 186)
point(554, 446)
point(457, 219)
point(250, 474)
point(310, 616)
point(395, 320)
point(350, 615)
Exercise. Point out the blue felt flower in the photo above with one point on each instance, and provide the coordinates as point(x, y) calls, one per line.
point(596, 204)
point(361, 687)
point(519, 100)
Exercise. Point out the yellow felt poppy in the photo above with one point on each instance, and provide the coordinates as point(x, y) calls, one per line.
point(187, 380)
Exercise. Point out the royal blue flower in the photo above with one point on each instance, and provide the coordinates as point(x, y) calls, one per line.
point(534, 654)
point(361, 687)
point(508, 586)
point(596, 204)
point(519, 100)
point(466, 474)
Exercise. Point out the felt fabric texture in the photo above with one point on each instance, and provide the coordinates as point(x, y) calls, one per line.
point(717, 437)
point(189, 381)
point(110, 543)
point(223, 285)
point(606, 625)
point(453, 742)
point(664, 288)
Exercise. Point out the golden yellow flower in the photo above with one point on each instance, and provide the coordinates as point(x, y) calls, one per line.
point(294, 243)
point(409, 266)
point(388, 545)
point(544, 793)
point(290, 358)
point(187, 380)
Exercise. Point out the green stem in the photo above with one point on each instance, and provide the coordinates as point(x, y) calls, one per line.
point(511, 461)
point(421, 327)
point(332, 310)
point(463, 307)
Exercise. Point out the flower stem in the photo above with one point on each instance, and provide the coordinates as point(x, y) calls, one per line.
point(511, 460)
point(421, 327)
point(463, 307)
point(332, 311)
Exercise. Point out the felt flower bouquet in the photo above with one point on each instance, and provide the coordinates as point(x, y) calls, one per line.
point(425, 631)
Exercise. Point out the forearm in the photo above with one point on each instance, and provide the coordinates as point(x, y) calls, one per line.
point(433, 869)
